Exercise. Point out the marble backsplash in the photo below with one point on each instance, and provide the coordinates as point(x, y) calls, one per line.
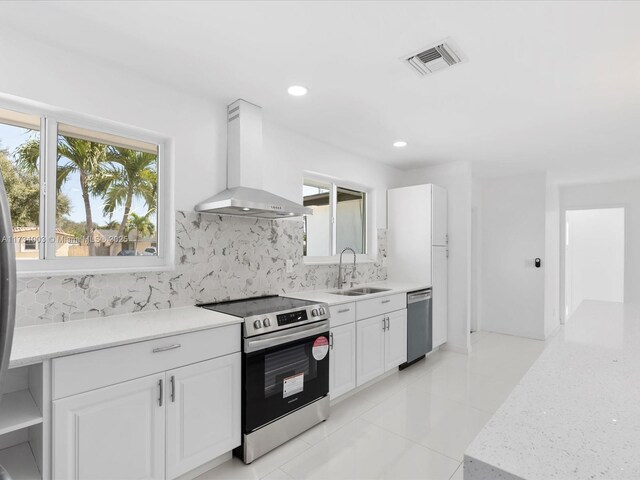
point(217, 258)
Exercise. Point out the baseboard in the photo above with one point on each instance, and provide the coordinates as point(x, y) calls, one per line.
point(351, 393)
point(210, 465)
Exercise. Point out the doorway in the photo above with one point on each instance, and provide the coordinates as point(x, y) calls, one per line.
point(594, 256)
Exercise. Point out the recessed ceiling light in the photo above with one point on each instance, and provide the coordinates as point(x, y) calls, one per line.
point(400, 144)
point(297, 90)
point(245, 209)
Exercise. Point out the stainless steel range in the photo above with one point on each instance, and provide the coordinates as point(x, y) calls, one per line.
point(285, 369)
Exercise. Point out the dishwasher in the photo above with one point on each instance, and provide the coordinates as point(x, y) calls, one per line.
point(419, 326)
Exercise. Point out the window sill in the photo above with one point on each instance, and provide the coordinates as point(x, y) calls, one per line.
point(93, 268)
point(360, 259)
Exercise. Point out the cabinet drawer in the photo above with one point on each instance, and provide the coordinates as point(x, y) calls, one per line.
point(381, 305)
point(342, 314)
point(87, 371)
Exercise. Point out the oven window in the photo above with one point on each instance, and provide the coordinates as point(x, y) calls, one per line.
point(286, 363)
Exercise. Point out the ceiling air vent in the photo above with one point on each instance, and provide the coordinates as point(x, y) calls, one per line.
point(438, 57)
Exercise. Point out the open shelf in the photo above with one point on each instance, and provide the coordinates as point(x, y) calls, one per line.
point(19, 462)
point(18, 410)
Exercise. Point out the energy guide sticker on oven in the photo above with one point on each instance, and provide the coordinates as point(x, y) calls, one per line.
point(293, 385)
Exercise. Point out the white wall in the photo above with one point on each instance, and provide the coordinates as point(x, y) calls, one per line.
point(551, 259)
point(594, 256)
point(614, 194)
point(198, 125)
point(513, 235)
point(456, 178)
point(475, 305)
point(288, 155)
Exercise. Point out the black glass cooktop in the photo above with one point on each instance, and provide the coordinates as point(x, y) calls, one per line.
point(257, 306)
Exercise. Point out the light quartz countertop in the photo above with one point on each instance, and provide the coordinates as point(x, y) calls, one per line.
point(34, 344)
point(326, 296)
point(576, 412)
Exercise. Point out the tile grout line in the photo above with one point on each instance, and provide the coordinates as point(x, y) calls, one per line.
point(410, 440)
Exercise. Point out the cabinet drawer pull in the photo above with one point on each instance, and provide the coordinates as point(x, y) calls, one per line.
point(161, 393)
point(173, 388)
point(169, 347)
point(386, 301)
point(344, 310)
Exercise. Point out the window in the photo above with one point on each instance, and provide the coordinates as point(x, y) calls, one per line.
point(106, 201)
point(339, 219)
point(30, 245)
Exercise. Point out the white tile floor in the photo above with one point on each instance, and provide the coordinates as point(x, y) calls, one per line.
point(414, 424)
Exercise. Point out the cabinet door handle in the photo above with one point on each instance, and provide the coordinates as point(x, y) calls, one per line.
point(173, 388)
point(384, 323)
point(388, 324)
point(168, 347)
point(331, 340)
point(344, 310)
point(161, 393)
point(386, 301)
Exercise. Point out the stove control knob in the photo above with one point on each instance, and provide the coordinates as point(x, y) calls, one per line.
point(315, 312)
point(322, 311)
point(257, 324)
point(266, 322)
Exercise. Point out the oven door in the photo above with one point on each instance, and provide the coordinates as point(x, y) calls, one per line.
point(284, 371)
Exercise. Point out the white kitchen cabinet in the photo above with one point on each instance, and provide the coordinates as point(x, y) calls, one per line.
point(370, 348)
point(439, 230)
point(154, 409)
point(439, 295)
point(395, 348)
point(381, 344)
point(112, 432)
point(418, 245)
point(203, 412)
point(409, 234)
point(342, 360)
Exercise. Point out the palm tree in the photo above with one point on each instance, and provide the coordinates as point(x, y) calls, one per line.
point(81, 156)
point(142, 225)
point(111, 225)
point(130, 174)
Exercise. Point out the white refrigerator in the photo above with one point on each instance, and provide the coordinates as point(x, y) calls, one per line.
point(418, 245)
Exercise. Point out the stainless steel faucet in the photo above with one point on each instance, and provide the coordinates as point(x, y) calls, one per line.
point(341, 281)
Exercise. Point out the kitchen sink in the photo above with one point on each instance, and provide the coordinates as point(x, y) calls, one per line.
point(368, 290)
point(354, 292)
point(350, 293)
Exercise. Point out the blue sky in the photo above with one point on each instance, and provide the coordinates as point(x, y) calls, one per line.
point(11, 137)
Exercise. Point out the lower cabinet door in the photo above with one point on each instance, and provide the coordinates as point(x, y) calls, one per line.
point(203, 412)
point(115, 432)
point(396, 339)
point(342, 360)
point(370, 355)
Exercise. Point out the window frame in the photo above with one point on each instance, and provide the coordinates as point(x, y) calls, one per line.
point(48, 263)
point(368, 228)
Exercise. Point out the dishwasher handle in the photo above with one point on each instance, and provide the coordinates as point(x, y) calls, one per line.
point(420, 296)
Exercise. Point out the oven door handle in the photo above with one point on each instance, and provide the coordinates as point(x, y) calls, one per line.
point(255, 344)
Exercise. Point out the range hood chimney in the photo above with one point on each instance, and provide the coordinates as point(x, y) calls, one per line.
point(244, 195)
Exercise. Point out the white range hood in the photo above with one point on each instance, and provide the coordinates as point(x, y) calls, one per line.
point(244, 195)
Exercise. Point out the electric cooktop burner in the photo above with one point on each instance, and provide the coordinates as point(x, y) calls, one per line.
point(271, 313)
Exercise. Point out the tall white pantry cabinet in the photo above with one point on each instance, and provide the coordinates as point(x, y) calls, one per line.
point(418, 245)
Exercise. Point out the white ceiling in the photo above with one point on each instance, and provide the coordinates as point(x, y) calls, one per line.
point(548, 85)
